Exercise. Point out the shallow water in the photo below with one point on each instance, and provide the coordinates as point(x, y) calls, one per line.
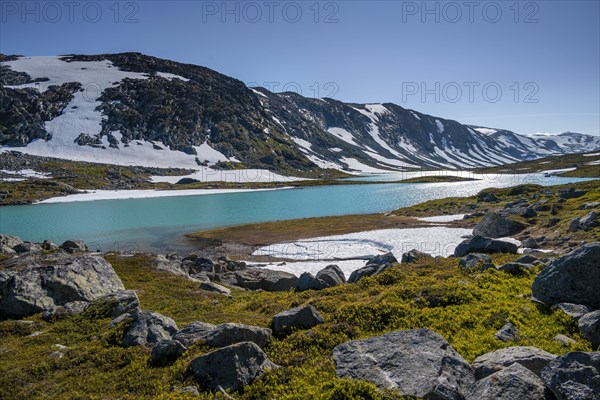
point(159, 223)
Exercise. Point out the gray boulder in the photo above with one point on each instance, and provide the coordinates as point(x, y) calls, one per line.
point(532, 358)
point(332, 275)
point(589, 326)
point(495, 225)
point(4, 249)
point(574, 376)
point(417, 362)
point(574, 225)
point(49, 246)
point(508, 333)
point(35, 282)
point(296, 318)
point(194, 332)
point(575, 311)
point(265, 279)
point(230, 333)
point(415, 255)
point(232, 367)
point(588, 206)
point(308, 282)
point(474, 261)
point(572, 278)
point(528, 259)
point(64, 311)
point(511, 383)
point(374, 266)
point(146, 328)
point(588, 221)
point(163, 263)
point(563, 339)
point(74, 246)
point(480, 244)
point(166, 352)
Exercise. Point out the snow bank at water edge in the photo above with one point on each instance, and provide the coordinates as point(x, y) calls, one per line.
point(237, 176)
point(142, 194)
point(443, 218)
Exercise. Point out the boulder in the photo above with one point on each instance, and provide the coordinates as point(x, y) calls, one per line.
point(4, 249)
point(374, 266)
point(332, 275)
point(586, 222)
point(508, 333)
point(511, 383)
point(193, 332)
point(308, 282)
point(35, 282)
point(416, 362)
point(232, 367)
point(487, 197)
point(531, 358)
point(515, 268)
point(166, 352)
point(216, 288)
point(473, 261)
point(480, 244)
point(589, 326)
point(572, 278)
point(588, 206)
point(528, 259)
point(563, 339)
point(414, 255)
point(27, 247)
point(163, 263)
point(531, 243)
point(49, 246)
point(575, 311)
point(296, 318)
point(574, 376)
point(119, 303)
point(265, 279)
point(495, 225)
point(146, 328)
point(570, 193)
point(520, 208)
point(74, 246)
point(574, 225)
point(230, 333)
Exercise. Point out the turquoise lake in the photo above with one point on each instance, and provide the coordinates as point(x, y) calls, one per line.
point(160, 223)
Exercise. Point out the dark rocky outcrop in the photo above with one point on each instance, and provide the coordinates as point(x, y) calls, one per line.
point(329, 276)
point(414, 255)
point(264, 279)
point(572, 278)
point(374, 266)
point(74, 246)
point(575, 311)
point(574, 376)
point(508, 333)
point(496, 225)
point(474, 261)
point(296, 318)
point(480, 244)
point(232, 367)
point(166, 352)
point(193, 332)
point(417, 363)
point(231, 333)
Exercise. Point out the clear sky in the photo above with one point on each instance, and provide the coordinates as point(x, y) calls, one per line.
point(525, 66)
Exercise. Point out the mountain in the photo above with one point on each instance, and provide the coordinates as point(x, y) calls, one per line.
point(135, 109)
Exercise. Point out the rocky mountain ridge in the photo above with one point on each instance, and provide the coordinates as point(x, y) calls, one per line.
point(131, 108)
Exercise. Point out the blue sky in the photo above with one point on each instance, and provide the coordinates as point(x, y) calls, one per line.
point(526, 66)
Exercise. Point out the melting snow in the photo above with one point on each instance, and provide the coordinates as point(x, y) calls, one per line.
point(343, 134)
point(440, 126)
point(443, 218)
point(169, 76)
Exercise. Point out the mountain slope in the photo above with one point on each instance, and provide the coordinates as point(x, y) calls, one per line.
point(134, 109)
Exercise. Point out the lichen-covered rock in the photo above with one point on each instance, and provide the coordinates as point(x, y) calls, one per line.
point(231, 333)
point(511, 383)
point(589, 326)
point(572, 278)
point(574, 376)
point(232, 367)
point(265, 279)
point(193, 333)
point(166, 352)
point(74, 246)
point(146, 328)
point(374, 266)
point(508, 333)
point(480, 244)
point(496, 225)
point(296, 318)
point(414, 255)
point(531, 358)
point(416, 362)
point(35, 282)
